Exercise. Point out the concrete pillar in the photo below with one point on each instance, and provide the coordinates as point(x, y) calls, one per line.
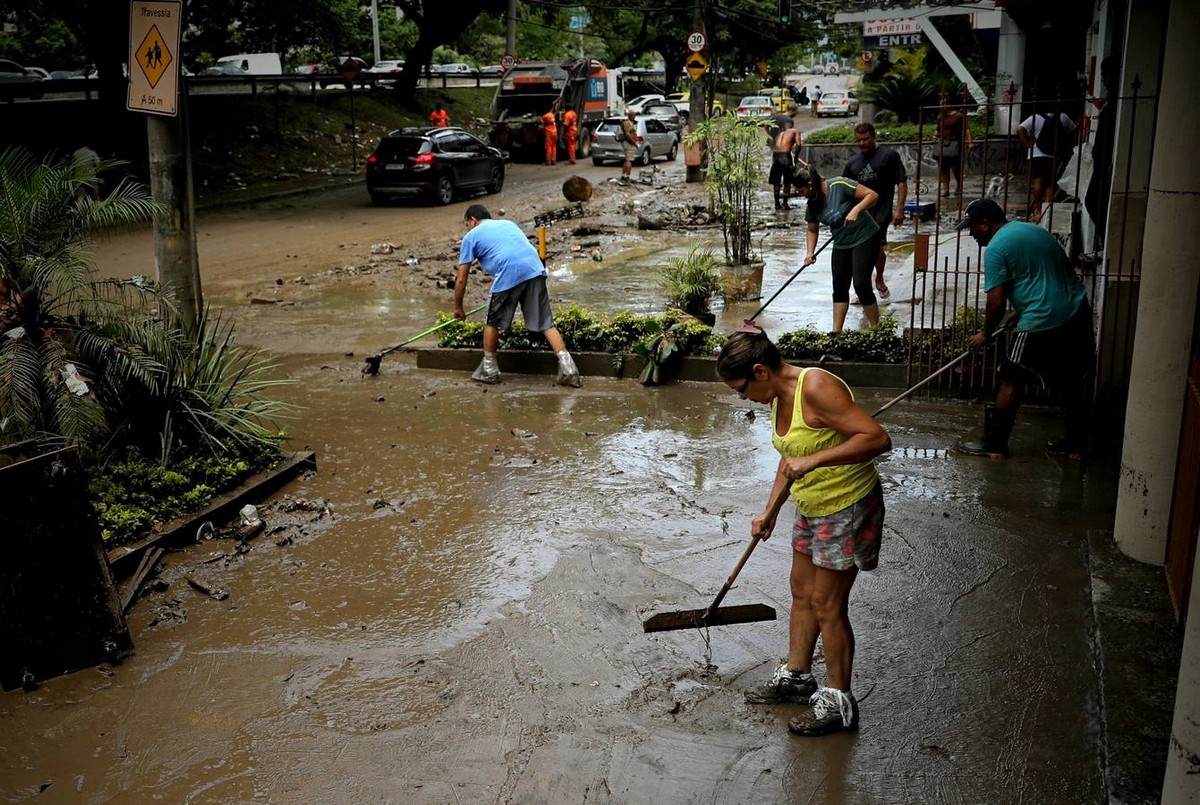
point(1181, 782)
point(1167, 302)
point(1010, 76)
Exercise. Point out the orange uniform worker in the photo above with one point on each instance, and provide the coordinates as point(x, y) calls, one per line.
point(439, 117)
point(550, 125)
point(571, 124)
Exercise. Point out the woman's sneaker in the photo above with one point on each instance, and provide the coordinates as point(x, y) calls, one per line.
point(784, 686)
point(832, 711)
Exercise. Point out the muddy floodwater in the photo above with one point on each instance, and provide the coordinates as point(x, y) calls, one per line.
point(450, 610)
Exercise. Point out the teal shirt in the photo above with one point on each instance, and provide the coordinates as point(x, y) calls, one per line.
point(840, 201)
point(1044, 289)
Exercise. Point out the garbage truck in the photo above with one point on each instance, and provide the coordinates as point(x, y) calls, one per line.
point(529, 90)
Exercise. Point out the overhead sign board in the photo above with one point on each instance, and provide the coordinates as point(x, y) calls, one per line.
point(696, 66)
point(891, 27)
point(893, 41)
point(154, 56)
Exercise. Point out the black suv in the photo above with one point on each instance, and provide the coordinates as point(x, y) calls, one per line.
point(432, 163)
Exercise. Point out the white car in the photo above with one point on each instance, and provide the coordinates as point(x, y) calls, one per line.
point(453, 68)
point(385, 66)
point(755, 107)
point(837, 103)
point(637, 103)
point(654, 140)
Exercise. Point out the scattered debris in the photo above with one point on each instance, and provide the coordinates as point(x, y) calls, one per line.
point(211, 590)
point(383, 248)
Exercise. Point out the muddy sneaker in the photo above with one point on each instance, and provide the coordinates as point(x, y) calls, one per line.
point(832, 711)
point(784, 686)
point(568, 372)
point(488, 371)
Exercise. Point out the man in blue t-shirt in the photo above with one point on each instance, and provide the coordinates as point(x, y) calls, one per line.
point(518, 280)
point(1025, 266)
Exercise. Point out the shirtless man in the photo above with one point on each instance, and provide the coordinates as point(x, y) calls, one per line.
point(783, 153)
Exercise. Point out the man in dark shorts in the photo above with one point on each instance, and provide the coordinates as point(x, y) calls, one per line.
point(1053, 342)
point(882, 170)
point(518, 280)
point(784, 150)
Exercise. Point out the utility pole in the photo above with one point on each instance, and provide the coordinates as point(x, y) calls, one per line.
point(510, 28)
point(375, 28)
point(696, 103)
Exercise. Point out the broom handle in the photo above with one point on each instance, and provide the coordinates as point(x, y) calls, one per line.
point(758, 312)
point(776, 505)
point(432, 329)
point(908, 392)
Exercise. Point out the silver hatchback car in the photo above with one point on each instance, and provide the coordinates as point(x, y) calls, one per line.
point(654, 140)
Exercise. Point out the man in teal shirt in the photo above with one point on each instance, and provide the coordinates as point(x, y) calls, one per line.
point(1052, 342)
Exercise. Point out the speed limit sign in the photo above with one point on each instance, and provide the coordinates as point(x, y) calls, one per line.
point(696, 41)
point(507, 61)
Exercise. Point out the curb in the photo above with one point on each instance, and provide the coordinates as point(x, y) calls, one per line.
point(605, 364)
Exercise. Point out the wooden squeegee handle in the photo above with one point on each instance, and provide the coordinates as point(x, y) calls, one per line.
point(776, 505)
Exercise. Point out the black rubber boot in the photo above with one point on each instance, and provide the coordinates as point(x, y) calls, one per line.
point(997, 424)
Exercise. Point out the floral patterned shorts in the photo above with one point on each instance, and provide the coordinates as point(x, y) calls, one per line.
point(846, 537)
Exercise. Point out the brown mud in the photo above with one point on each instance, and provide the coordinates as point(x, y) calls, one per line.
point(449, 610)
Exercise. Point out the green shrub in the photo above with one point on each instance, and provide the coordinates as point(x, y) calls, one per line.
point(877, 345)
point(132, 494)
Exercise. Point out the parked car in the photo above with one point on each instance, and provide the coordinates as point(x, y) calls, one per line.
point(432, 163)
point(491, 70)
point(224, 68)
point(683, 102)
point(667, 112)
point(12, 75)
point(385, 67)
point(385, 71)
point(756, 107)
point(782, 99)
point(654, 140)
point(837, 103)
point(453, 68)
point(639, 101)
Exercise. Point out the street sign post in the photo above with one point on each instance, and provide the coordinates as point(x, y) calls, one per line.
point(154, 57)
point(696, 41)
point(867, 56)
point(696, 66)
point(508, 61)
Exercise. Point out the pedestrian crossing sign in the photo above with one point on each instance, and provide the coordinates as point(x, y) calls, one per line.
point(154, 28)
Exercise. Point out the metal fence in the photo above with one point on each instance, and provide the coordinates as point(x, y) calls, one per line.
point(1101, 237)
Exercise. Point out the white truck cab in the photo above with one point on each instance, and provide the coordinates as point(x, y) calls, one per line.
point(255, 63)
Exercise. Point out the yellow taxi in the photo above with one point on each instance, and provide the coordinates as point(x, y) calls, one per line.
point(780, 98)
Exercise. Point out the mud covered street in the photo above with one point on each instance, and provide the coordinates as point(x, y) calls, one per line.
point(449, 610)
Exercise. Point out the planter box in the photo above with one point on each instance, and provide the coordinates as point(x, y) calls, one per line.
point(124, 558)
point(743, 282)
point(604, 364)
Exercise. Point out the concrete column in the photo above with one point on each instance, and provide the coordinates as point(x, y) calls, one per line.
point(1166, 305)
point(1181, 782)
point(1010, 76)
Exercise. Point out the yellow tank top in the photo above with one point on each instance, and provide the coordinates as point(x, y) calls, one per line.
point(828, 489)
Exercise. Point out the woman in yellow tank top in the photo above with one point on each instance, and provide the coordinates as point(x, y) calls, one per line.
point(826, 445)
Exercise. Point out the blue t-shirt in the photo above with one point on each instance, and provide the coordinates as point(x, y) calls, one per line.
point(1045, 290)
point(841, 199)
point(503, 251)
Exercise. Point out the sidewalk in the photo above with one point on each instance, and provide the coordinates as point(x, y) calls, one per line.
point(468, 625)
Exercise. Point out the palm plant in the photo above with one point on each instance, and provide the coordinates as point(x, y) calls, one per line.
point(734, 170)
point(60, 329)
point(690, 282)
point(906, 88)
point(105, 364)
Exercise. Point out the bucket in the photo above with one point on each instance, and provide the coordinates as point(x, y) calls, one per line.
point(743, 283)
